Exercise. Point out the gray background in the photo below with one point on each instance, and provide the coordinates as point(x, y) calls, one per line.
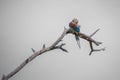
point(26, 24)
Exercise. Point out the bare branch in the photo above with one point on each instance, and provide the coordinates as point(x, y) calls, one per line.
point(88, 38)
point(52, 47)
point(6, 77)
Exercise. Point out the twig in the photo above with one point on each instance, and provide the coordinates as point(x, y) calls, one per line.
point(33, 50)
point(61, 47)
point(43, 46)
point(102, 49)
point(94, 33)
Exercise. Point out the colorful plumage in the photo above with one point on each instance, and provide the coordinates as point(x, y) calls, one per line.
point(74, 25)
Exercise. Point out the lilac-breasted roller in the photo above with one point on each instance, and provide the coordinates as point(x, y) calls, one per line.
point(74, 26)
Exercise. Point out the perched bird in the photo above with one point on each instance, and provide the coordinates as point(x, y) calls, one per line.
point(74, 26)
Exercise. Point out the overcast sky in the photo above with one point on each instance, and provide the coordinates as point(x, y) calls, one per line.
point(26, 24)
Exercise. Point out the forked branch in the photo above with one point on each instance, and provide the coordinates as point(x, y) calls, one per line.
point(52, 47)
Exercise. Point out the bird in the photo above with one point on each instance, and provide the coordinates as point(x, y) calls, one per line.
point(75, 27)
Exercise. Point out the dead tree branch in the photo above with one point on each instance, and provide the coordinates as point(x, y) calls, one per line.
point(52, 47)
point(91, 46)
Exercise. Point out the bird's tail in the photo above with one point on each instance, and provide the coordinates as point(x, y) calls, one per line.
point(78, 41)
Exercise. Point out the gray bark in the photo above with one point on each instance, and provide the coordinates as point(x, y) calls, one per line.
point(52, 47)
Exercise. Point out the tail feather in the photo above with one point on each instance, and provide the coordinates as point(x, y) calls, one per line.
point(78, 41)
